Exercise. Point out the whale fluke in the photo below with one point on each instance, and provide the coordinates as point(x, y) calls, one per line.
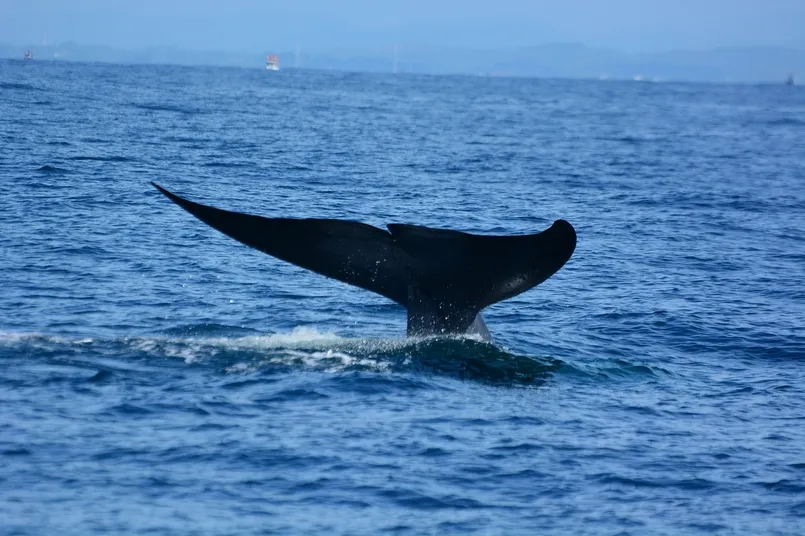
point(443, 278)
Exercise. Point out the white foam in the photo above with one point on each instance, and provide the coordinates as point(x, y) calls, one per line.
point(30, 339)
point(299, 336)
point(240, 368)
point(320, 350)
point(23, 336)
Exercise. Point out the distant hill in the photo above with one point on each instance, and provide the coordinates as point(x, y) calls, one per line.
point(729, 64)
point(158, 55)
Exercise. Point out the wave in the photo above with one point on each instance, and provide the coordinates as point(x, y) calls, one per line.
point(227, 164)
point(102, 158)
point(185, 139)
point(785, 121)
point(466, 358)
point(18, 86)
point(53, 170)
point(240, 350)
point(633, 140)
point(167, 108)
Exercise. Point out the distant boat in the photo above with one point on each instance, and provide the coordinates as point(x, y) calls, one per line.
point(272, 63)
point(790, 80)
point(28, 55)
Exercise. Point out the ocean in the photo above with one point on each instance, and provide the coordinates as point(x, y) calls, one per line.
point(157, 377)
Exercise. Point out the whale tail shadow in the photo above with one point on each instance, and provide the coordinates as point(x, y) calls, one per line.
point(443, 278)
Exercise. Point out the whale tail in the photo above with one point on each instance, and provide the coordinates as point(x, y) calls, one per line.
point(443, 278)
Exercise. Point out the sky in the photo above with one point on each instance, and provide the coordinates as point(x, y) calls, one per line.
point(629, 25)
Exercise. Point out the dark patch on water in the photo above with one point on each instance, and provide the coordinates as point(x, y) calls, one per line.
point(102, 376)
point(169, 108)
point(786, 122)
point(53, 170)
point(18, 86)
point(228, 164)
point(101, 158)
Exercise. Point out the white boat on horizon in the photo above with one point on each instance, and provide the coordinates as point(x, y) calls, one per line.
point(272, 62)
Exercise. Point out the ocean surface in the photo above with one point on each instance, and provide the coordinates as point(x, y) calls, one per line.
point(157, 377)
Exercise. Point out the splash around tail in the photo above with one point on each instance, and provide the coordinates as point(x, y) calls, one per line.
point(302, 349)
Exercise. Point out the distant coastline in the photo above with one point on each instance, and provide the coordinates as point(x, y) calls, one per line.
point(562, 60)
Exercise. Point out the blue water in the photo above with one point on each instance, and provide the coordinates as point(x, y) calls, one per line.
point(158, 377)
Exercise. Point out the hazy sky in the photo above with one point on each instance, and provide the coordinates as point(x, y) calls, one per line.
point(634, 25)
